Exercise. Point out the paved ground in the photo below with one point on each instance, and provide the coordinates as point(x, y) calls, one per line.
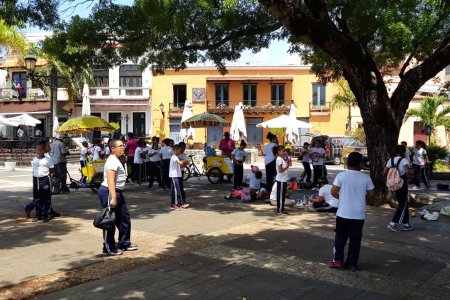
point(216, 249)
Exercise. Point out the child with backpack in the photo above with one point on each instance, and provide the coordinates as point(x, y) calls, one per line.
point(397, 169)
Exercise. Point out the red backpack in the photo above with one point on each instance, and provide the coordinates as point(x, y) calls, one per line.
point(393, 181)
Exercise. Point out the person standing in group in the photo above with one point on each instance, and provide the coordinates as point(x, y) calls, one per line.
point(420, 162)
point(227, 145)
point(84, 154)
point(42, 170)
point(130, 148)
point(185, 160)
point(110, 194)
point(166, 155)
point(269, 160)
point(58, 152)
point(282, 177)
point(401, 215)
point(175, 175)
point(155, 163)
point(138, 162)
point(304, 157)
point(238, 158)
point(353, 188)
point(97, 151)
point(317, 155)
point(407, 152)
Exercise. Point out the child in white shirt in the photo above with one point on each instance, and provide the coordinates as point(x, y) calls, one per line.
point(282, 178)
point(176, 177)
point(238, 158)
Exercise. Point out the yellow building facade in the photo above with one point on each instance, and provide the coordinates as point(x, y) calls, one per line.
point(266, 92)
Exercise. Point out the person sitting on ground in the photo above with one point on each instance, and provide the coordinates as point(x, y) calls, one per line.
point(325, 202)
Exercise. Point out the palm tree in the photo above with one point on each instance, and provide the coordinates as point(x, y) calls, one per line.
point(10, 38)
point(344, 98)
point(432, 112)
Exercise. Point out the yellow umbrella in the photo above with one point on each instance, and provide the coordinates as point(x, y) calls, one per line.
point(85, 124)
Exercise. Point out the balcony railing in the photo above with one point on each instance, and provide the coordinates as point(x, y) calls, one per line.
point(176, 108)
point(30, 94)
point(122, 92)
point(319, 109)
point(259, 106)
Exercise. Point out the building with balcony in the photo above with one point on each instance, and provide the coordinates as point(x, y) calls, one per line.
point(265, 91)
point(122, 94)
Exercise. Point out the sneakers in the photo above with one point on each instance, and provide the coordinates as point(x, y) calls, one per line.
point(54, 214)
point(175, 207)
point(131, 247)
point(336, 264)
point(392, 227)
point(36, 220)
point(352, 268)
point(284, 212)
point(46, 220)
point(407, 227)
point(185, 205)
point(114, 252)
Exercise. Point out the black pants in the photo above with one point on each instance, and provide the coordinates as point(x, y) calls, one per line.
point(324, 207)
point(61, 175)
point(238, 170)
point(165, 180)
point(281, 195)
point(271, 172)
point(130, 162)
point(401, 213)
point(42, 196)
point(306, 171)
point(138, 171)
point(176, 196)
point(420, 172)
point(154, 173)
point(348, 229)
point(123, 221)
point(319, 171)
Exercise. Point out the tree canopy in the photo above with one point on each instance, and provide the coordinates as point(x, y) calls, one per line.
point(358, 39)
point(40, 13)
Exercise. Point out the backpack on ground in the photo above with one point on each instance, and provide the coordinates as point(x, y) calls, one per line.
point(394, 182)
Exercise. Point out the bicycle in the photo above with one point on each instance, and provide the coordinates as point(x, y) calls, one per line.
point(192, 170)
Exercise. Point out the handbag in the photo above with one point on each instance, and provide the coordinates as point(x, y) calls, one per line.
point(105, 219)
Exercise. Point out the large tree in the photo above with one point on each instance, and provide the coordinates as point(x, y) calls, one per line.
point(358, 39)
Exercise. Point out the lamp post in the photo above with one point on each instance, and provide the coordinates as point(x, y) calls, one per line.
point(161, 108)
point(49, 80)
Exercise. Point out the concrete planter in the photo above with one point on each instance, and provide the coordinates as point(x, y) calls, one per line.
point(10, 165)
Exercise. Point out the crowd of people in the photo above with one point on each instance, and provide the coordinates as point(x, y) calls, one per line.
point(135, 160)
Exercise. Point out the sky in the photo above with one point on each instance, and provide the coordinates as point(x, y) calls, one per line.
point(275, 55)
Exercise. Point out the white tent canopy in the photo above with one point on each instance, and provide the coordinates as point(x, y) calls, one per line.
point(5, 121)
point(86, 105)
point(55, 126)
point(282, 122)
point(187, 133)
point(238, 130)
point(25, 120)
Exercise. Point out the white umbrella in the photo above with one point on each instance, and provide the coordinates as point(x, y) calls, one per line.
point(282, 122)
point(5, 121)
point(187, 133)
point(292, 134)
point(55, 126)
point(25, 120)
point(238, 131)
point(86, 106)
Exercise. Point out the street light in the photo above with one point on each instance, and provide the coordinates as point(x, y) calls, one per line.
point(49, 80)
point(161, 108)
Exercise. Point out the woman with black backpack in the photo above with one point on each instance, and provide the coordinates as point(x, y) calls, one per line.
point(401, 215)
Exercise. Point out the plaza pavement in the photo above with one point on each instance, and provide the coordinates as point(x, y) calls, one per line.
point(217, 249)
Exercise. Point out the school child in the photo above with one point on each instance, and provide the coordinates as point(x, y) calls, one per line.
point(98, 152)
point(185, 159)
point(282, 177)
point(155, 163)
point(138, 161)
point(353, 188)
point(42, 169)
point(238, 158)
point(84, 154)
point(324, 202)
point(175, 175)
point(254, 178)
point(166, 155)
